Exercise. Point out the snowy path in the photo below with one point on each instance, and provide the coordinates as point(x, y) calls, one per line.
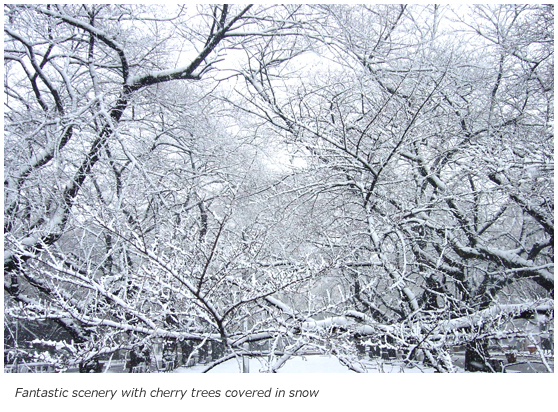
point(302, 364)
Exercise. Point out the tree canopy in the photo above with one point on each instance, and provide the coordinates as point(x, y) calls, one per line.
point(298, 177)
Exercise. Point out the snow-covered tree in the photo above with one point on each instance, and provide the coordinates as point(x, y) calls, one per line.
point(268, 180)
point(434, 163)
point(122, 186)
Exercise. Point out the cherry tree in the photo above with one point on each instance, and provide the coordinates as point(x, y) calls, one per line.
point(273, 180)
point(426, 154)
point(120, 190)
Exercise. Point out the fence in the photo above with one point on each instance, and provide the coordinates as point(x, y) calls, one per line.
point(34, 367)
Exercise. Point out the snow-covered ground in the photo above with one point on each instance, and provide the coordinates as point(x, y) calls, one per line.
point(304, 364)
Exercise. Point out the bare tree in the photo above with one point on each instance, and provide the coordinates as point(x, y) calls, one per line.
point(119, 190)
point(426, 151)
point(269, 180)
